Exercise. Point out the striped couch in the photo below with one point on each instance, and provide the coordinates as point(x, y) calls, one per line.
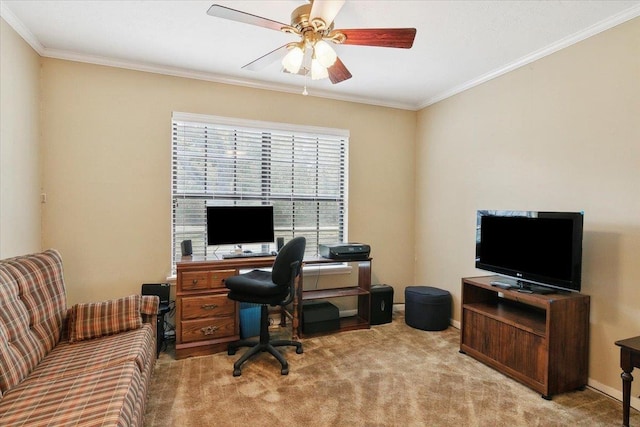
point(88, 365)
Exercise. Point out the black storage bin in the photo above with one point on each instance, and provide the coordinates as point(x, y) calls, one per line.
point(381, 304)
point(427, 308)
point(319, 316)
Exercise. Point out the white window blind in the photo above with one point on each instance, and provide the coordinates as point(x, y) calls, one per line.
point(301, 171)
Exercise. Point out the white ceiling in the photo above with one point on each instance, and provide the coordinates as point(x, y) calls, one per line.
point(458, 45)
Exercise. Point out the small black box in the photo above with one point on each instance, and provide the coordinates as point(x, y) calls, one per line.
point(381, 304)
point(319, 316)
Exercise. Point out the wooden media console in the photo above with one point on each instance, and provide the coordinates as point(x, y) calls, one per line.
point(539, 340)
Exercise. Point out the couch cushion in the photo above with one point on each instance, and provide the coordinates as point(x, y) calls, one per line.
point(97, 319)
point(71, 359)
point(107, 397)
point(32, 310)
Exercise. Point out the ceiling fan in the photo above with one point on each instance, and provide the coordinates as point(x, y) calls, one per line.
point(313, 24)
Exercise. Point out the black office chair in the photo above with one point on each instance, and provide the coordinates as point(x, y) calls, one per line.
point(268, 288)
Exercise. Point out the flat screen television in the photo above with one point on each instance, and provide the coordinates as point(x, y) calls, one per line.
point(531, 247)
point(236, 225)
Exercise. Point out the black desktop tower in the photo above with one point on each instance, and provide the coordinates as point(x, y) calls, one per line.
point(161, 290)
point(381, 304)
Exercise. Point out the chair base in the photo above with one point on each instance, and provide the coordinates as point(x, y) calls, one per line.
point(265, 344)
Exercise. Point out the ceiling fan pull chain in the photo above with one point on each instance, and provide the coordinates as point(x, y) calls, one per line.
point(307, 66)
point(304, 91)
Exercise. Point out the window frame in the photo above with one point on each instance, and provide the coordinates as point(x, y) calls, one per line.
point(269, 128)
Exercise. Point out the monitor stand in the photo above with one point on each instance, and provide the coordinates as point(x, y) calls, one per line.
point(529, 288)
point(522, 286)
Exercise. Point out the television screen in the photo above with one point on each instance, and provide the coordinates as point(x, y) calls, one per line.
point(538, 247)
point(234, 225)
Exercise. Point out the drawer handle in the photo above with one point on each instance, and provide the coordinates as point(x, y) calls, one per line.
point(194, 281)
point(209, 306)
point(208, 330)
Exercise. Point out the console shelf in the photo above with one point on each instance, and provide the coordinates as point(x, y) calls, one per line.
point(539, 340)
point(362, 290)
point(518, 316)
point(333, 293)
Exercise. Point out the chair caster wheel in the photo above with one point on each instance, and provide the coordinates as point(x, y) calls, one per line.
point(299, 350)
point(237, 372)
point(285, 371)
point(231, 352)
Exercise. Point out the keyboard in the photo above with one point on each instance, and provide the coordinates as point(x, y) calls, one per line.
point(248, 255)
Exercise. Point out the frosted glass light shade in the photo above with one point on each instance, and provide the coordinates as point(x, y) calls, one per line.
point(317, 70)
point(325, 53)
point(293, 60)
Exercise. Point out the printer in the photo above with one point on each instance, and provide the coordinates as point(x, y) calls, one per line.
point(345, 251)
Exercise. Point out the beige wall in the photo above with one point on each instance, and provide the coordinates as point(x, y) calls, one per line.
point(19, 145)
point(562, 133)
point(107, 144)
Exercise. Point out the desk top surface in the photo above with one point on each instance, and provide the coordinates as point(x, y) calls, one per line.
point(188, 260)
point(632, 344)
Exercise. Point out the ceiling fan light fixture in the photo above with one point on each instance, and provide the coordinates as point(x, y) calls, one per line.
point(318, 71)
point(293, 60)
point(324, 53)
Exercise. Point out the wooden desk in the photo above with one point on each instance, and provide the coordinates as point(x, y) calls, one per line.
point(206, 320)
point(629, 358)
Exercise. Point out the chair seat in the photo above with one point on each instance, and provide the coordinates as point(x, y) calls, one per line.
point(255, 287)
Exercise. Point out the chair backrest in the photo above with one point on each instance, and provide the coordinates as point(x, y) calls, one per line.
point(290, 253)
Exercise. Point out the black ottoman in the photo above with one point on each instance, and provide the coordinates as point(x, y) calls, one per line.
point(427, 308)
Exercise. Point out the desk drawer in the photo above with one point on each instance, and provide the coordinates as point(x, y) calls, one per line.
point(217, 277)
point(207, 306)
point(199, 280)
point(206, 329)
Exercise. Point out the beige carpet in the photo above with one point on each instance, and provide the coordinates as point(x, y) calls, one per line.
point(390, 375)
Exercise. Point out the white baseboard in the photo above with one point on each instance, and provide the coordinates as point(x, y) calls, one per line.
point(612, 392)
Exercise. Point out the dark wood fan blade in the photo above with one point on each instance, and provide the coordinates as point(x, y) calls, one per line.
point(247, 18)
point(381, 37)
point(338, 72)
point(326, 9)
point(267, 59)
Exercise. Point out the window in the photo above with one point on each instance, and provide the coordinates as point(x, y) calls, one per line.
point(301, 171)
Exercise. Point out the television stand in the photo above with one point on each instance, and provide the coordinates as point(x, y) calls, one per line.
point(540, 340)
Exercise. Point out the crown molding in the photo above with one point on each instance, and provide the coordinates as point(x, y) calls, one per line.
point(19, 28)
point(216, 78)
point(597, 28)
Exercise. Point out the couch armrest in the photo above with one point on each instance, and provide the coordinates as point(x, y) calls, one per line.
point(149, 308)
